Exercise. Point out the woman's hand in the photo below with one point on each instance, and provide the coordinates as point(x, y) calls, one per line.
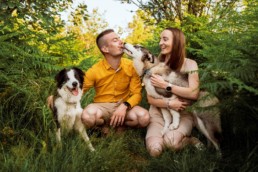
point(178, 105)
point(158, 81)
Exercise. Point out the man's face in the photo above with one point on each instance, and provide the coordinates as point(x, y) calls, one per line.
point(113, 44)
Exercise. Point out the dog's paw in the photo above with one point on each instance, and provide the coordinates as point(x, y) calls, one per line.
point(200, 146)
point(173, 126)
point(50, 102)
point(92, 149)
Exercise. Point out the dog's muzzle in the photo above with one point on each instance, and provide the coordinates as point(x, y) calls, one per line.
point(74, 90)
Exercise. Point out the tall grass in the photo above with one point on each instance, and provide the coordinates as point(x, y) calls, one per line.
point(27, 143)
point(116, 152)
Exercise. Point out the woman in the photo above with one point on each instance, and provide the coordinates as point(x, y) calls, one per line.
point(172, 44)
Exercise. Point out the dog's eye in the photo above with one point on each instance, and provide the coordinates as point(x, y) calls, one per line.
point(137, 46)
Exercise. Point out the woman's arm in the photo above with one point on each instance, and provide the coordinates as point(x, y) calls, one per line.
point(175, 104)
point(192, 91)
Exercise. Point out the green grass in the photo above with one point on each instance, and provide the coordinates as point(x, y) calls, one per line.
point(123, 152)
point(25, 151)
point(27, 143)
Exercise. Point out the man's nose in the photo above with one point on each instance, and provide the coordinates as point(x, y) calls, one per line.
point(122, 43)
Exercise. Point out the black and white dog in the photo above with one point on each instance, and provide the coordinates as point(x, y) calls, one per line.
point(65, 104)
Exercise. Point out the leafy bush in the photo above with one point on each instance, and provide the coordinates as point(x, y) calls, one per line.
point(32, 52)
point(230, 71)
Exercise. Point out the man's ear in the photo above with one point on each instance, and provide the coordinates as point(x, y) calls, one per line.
point(104, 49)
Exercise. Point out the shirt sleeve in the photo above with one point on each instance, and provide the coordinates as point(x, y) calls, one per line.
point(135, 89)
point(88, 80)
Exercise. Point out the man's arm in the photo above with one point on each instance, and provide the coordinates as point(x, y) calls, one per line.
point(88, 80)
point(135, 89)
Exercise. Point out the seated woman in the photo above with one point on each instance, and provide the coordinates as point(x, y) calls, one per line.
point(172, 44)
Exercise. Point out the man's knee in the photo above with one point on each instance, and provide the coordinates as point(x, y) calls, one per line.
point(144, 120)
point(138, 117)
point(143, 117)
point(88, 116)
point(88, 121)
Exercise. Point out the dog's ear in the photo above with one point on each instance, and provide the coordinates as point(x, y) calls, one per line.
point(144, 57)
point(148, 57)
point(80, 74)
point(152, 58)
point(60, 78)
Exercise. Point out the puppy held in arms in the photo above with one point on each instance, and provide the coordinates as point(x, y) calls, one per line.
point(207, 121)
point(66, 105)
point(146, 64)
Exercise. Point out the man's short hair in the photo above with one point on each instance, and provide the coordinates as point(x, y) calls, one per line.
point(99, 42)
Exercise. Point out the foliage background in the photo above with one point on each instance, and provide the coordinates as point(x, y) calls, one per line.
point(36, 44)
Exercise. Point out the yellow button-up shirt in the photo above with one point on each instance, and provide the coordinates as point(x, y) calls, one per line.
point(111, 85)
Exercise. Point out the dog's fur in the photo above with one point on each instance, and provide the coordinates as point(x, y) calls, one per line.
point(65, 104)
point(142, 62)
point(207, 119)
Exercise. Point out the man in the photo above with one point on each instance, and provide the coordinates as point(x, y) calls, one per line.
point(117, 87)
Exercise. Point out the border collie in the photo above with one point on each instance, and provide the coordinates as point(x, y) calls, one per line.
point(65, 104)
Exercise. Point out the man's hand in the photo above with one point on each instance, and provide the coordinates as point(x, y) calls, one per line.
point(118, 116)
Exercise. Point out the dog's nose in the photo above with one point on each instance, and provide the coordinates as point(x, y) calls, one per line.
point(74, 84)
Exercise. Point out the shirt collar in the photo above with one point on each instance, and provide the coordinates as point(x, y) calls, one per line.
point(107, 65)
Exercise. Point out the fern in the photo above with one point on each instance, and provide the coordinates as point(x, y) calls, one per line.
point(230, 71)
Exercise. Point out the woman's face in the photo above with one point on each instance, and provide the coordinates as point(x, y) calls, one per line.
point(165, 43)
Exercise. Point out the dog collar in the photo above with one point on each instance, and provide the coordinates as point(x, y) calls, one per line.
point(146, 71)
